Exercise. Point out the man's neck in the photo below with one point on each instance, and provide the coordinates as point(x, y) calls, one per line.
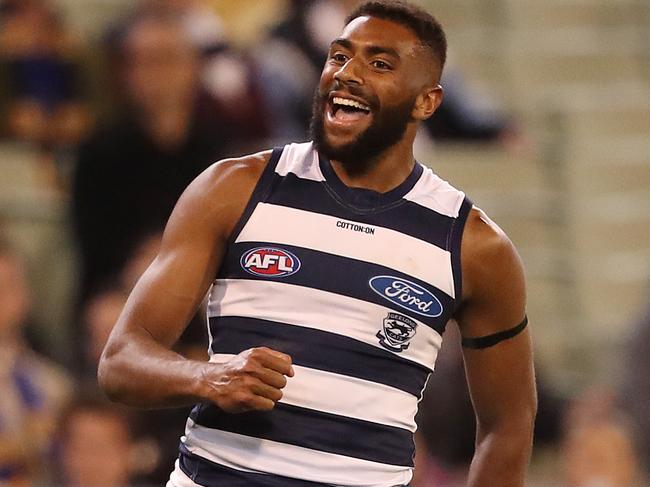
point(168, 126)
point(382, 174)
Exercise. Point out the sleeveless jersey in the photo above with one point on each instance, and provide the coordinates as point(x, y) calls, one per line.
point(356, 286)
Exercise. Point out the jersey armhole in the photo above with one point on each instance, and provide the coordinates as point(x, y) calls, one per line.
point(261, 191)
point(456, 237)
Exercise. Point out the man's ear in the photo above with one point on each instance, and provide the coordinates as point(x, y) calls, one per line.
point(427, 102)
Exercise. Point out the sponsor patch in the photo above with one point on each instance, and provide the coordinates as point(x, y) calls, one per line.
point(407, 295)
point(396, 332)
point(270, 262)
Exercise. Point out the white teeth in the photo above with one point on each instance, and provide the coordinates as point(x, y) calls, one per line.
point(337, 100)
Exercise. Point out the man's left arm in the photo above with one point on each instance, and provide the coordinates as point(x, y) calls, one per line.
point(498, 356)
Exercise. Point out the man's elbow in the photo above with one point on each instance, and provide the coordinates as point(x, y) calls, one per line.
point(108, 373)
point(516, 428)
point(515, 435)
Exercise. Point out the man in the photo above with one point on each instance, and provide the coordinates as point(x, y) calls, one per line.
point(131, 172)
point(95, 446)
point(33, 388)
point(337, 266)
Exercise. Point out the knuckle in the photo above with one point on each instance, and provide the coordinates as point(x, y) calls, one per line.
point(258, 352)
point(247, 355)
point(247, 381)
point(248, 367)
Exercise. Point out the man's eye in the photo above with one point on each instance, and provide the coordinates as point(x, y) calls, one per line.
point(339, 58)
point(380, 64)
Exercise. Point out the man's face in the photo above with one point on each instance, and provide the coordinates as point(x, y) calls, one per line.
point(162, 66)
point(367, 90)
point(96, 450)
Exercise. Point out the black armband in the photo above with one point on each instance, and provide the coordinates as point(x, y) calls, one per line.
point(491, 340)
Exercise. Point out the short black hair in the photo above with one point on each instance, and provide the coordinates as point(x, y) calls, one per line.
point(424, 25)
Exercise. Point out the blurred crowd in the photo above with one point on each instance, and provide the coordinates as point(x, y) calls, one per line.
point(115, 127)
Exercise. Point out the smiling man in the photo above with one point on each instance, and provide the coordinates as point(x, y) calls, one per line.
point(322, 338)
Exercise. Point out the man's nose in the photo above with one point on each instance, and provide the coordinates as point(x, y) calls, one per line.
point(350, 72)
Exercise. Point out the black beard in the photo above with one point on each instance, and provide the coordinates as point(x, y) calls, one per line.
point(387, 128)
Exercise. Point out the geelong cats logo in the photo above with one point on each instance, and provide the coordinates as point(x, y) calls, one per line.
point(407, 295)
point(397, 332)
point(270, 262)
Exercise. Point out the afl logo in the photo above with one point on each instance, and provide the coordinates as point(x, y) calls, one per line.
point(407, 295)
point(270, 262)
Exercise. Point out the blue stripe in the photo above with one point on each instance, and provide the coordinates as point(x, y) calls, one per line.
point(262, 188)
point(456, 237)
point(362, 199)
point(207, 473)
point(404, 217)
point(340, 275)
point(315, 430)
point(320, 350)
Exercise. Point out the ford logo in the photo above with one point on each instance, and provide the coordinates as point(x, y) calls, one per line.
point(407, 295)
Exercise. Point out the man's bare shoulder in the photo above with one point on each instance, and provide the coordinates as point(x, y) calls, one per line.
point(230, 180)
point(238, 171)
point(482, 235)
point(218, 196)
point(487, 253)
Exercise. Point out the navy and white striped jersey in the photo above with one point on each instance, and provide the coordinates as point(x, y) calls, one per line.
point(356, 286)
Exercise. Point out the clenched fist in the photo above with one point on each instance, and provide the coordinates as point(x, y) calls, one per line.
point(252, 380)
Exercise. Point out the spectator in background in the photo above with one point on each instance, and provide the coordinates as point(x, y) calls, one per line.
point(33, 389)
point(95, 447)
point(130, 174)
point(291, 61)
point(203, 26)
point(40, 60)
point(598, 448)
point(227, 77)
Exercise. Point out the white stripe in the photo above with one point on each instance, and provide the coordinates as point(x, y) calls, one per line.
point(346, 396)
point(436, 194)
point(313, 308)
point(255, 454)
point(388, 248)
point(301, 160)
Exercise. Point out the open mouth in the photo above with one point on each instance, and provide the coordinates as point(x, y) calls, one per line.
point(346, 110)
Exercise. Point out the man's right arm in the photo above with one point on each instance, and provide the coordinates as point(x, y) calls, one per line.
point(138, 366)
